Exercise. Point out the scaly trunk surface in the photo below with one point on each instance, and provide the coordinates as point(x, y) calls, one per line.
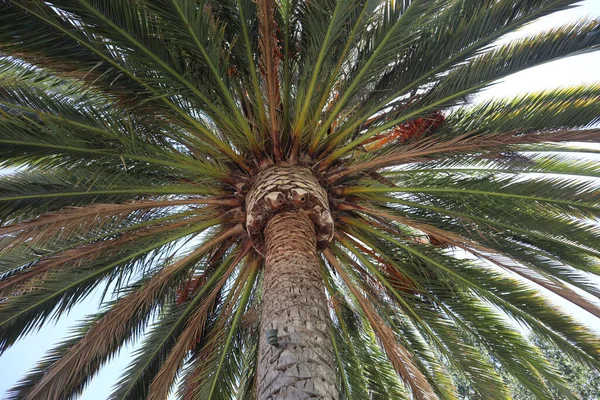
point(294, 303)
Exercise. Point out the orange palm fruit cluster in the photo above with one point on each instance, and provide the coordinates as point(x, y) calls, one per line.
point(407, 131)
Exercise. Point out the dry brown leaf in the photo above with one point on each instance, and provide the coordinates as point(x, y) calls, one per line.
point(103, 337)
point(400, 358)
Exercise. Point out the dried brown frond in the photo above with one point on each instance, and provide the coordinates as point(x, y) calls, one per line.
point(106, 334)
point(194, 282)
point(270, 58)
point(400, 358)
point(250, 318)
point(454, 239)
point(431, 231)
point(28, 279)
point(159, 389)
point(397, 280)
point(344, 239)
point(423, 150)
point(200, 365)
point(70, 219)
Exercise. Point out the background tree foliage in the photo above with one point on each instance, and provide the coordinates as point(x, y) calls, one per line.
point(584, 381)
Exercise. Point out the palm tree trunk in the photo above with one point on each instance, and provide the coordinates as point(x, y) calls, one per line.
point(294, 303)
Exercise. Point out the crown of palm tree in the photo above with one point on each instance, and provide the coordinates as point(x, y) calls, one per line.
point(142, 126)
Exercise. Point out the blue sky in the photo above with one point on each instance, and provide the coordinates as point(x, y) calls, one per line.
point(576, 70)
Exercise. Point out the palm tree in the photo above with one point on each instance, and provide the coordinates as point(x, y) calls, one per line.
point(307, 170)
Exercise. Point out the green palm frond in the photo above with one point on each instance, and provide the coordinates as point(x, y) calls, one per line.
point(432, 324)
point(454, 87)
point(370, 372)
point(138, 133)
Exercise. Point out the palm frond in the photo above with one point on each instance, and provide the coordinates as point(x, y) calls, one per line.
point(161, 341)
point(399, 356)
point(141, 133)
point(369, 373)
point(454, 87)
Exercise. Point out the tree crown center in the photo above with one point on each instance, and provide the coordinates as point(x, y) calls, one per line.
point(286, 188)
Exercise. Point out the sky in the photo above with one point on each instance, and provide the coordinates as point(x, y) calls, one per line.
point(576, 70)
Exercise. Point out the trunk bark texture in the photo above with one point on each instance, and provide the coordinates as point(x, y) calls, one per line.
point(293, 302)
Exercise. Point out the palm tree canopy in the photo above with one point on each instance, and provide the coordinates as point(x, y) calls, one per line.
point(139, 128)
